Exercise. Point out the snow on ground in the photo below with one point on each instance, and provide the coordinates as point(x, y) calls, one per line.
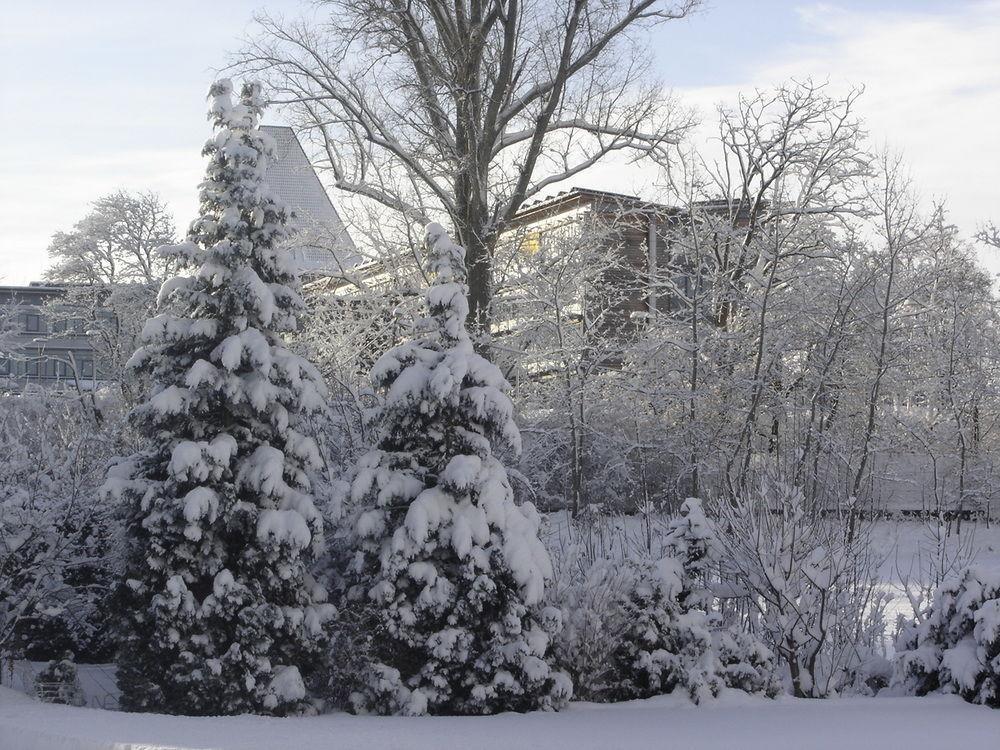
point(735, 721)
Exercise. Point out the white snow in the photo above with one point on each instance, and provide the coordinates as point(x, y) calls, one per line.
point(284, 526)
point(733, 722)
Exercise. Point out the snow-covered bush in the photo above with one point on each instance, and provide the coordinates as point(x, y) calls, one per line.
point(588, 595)
point(666, 646)
point(449, 569)
point(806, 584)
point(644, 623)
point(956, 647)
point(744, 663)
point(869, 676)
point(221, 613)
point(59, 683)
point(691, 540)
point(55, 533)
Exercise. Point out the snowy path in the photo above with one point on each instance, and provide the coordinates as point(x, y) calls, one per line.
point(735, 722)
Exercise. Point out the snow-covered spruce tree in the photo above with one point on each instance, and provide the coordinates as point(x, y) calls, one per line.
point(956, 648)
point(449, 568)
point(691, 541)
point(221, 615)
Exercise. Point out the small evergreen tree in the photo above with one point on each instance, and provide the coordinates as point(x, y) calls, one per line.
point(220, 613)
point(691, 541)
point(674, 640)
point(744, 663)
point(449, 566)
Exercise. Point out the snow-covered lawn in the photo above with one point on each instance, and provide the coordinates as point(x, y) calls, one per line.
point(733, 722)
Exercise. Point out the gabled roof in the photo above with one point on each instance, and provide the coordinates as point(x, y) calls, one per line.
point(322, 243)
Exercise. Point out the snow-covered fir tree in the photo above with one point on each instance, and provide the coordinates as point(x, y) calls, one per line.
point(221, 615)
point(449, 568)
point(691, 541)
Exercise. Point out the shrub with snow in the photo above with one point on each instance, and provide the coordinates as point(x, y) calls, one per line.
point(666, 647)
point(587, 598)
point(642, 625)
point(956, 648)
point(449, 568)
point(221, 615)
point(55, 532)
point(691, 540)
point(804, 583)
point(58, 682)
point(744, 663)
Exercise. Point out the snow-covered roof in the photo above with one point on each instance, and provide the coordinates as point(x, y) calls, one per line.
point(322, 243)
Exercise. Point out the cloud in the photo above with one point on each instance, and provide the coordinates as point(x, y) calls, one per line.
point(932, 90)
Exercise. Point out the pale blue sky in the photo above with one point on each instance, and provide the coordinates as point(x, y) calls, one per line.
point(102, 95)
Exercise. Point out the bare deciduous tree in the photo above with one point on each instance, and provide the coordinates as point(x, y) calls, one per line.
point(468, 109)
point(110, 264)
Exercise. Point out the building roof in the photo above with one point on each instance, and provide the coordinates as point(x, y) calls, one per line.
point(577, 197)
point(322, 243)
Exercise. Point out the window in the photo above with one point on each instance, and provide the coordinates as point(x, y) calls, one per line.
point(86, 368)
point(33, 323)
point(4, 366)
point(31, 368)
point(531, 243)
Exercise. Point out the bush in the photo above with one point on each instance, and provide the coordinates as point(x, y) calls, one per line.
point(640, 624)
point(744, 663)
point(665, 647)
point(956, 648)
point(805, 583)
point(58, 682)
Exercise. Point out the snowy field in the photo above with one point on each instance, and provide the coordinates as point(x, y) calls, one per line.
point(733, 722)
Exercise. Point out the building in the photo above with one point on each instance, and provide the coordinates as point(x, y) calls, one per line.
point(637, 232)
point(43, 342)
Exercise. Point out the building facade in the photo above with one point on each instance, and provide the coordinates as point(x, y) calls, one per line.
point(43, 341)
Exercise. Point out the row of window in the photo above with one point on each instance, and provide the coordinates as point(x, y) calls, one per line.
point(45, 367)
point(35, 323)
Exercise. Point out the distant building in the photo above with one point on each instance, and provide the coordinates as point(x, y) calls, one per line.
point(637, 230)
point(34, 348)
